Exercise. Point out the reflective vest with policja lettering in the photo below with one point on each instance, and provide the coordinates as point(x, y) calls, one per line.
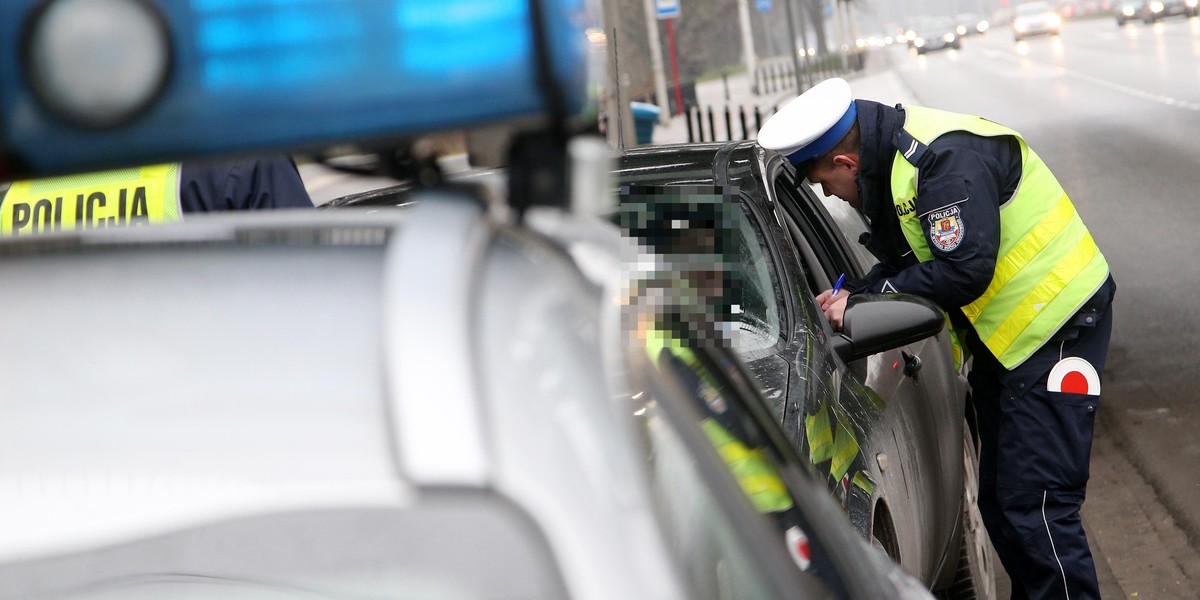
point(122, 197)
point(1047, 266)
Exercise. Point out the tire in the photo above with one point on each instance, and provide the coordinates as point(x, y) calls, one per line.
point(976, 576)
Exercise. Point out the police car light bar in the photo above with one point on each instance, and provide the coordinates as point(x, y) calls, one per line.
point(88, 84)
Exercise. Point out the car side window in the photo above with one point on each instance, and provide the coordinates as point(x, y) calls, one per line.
point(829, 226)
point(758, 314)
point(749, 299)
point(851, 223)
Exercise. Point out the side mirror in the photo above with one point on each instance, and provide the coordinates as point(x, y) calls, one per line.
point(877, 322)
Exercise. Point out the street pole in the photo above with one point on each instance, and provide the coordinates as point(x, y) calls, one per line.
point(792, 32)
point(674, 66)
point(656, 62)
point(807, 57)
point(748, 44)
point(618, 114)
point(839, 26)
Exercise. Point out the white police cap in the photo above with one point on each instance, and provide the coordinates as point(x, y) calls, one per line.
point(812, 123)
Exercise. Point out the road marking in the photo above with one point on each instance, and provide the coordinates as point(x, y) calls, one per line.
point(1116, 87)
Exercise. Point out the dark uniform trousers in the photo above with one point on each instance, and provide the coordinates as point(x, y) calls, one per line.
point(1033, 466)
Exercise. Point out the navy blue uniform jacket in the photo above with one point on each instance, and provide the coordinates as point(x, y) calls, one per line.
point(248, 184)
point(973, 173)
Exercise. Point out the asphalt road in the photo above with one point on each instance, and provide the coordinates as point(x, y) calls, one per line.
point(1115, 112)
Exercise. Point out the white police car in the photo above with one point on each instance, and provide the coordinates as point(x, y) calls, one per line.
point(433, 403)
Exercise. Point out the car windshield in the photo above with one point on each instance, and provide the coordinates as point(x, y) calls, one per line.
point(938, 26)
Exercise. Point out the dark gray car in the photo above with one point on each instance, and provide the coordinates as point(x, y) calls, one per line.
point(890, 431)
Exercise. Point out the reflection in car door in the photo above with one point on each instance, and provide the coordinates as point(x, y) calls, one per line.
point(826, 429)
point(916, 445)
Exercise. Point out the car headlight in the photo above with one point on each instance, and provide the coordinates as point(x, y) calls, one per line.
point(1127, 11)
point(961, 29)
point(982, 26)
point(1055, 20)
point(1020, 27)
point(1192, 3)
point(919, 42)
point(1156, 7)
point(949, 38)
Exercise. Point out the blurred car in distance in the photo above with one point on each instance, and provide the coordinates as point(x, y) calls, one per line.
point(1129, 10)
point(1035, 18)
point(1153, 11)
point(970, 24)
point(937, 33)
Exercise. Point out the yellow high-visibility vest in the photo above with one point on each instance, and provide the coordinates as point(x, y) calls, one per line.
point(123, 197)
point(1048, 265)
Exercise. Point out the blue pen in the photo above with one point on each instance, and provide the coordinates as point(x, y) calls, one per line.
point(838, 286)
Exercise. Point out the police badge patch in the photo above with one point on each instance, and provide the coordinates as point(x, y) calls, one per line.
point(946, 229)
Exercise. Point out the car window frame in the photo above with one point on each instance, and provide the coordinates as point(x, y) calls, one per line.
point(767, 237)
point(828, 243)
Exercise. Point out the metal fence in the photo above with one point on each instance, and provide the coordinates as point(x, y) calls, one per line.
point(742, 121)
point(750, 121)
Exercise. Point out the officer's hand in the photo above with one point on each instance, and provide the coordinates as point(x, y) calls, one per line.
point(825, 299)
point(835, 310)
point(834, 305)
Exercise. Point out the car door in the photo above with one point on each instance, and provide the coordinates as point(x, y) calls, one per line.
point(713, 391)
point(914, 446)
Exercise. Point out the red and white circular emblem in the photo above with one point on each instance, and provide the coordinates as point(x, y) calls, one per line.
point(1073, 375)
point(797, 543)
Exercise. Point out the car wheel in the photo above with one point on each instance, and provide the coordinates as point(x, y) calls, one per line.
point(976, 576)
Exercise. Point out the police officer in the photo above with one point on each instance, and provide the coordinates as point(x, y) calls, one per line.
point(150, 194)
point(963, 212)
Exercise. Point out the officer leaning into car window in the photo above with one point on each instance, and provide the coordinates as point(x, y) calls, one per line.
point(964, 213)
point(150, 194)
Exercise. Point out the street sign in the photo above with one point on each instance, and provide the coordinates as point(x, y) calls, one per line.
point(763, 5)
point(667, 9)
